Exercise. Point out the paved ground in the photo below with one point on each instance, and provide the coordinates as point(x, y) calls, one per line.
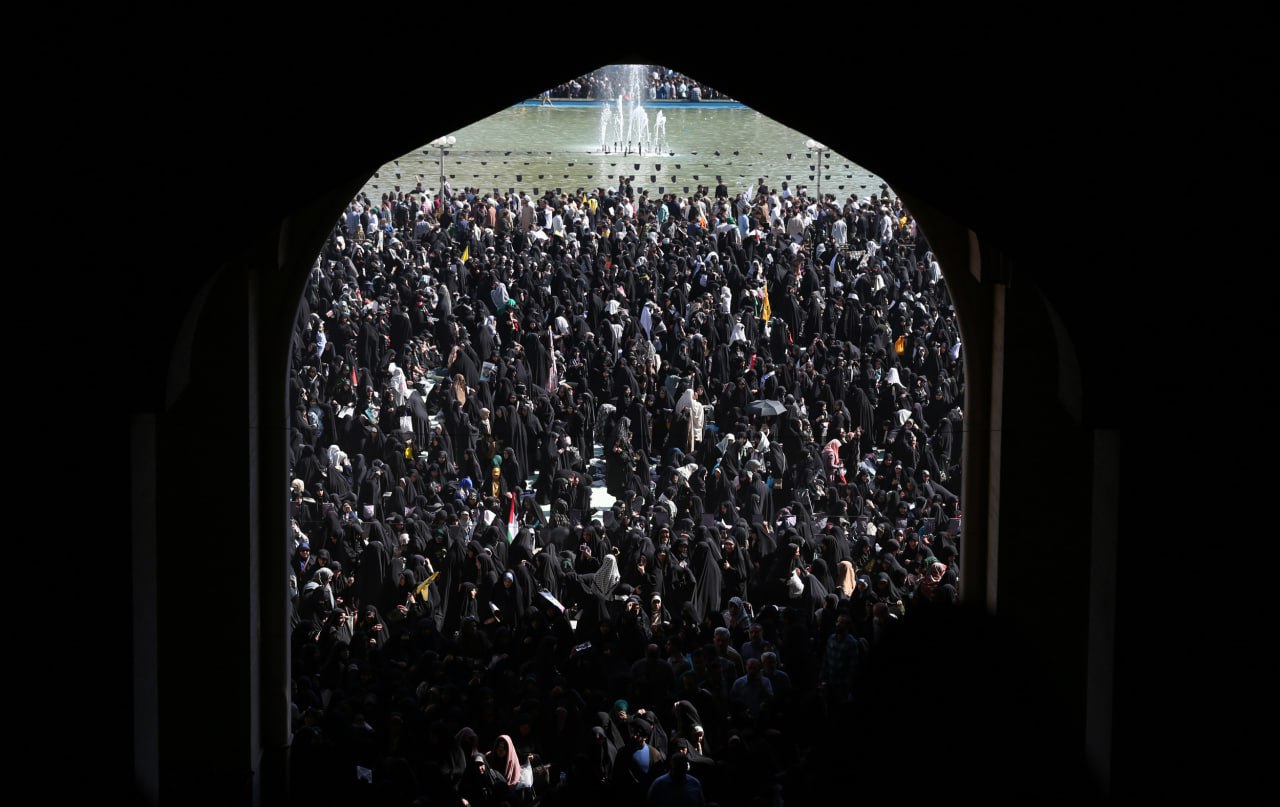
point(600, 498)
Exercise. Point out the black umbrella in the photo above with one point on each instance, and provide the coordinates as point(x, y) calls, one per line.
point(766, 407)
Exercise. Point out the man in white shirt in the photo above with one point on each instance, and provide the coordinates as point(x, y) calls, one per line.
point(840, 232)
point(795, 225)
point(526, 213)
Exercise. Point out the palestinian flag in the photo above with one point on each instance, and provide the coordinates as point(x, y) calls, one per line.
point(511, 521)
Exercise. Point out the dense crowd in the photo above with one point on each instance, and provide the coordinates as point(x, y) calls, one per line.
point(765, 386)
point(659, 84)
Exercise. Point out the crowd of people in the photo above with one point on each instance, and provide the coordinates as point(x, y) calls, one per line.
point(660, 84)
point(766, 384)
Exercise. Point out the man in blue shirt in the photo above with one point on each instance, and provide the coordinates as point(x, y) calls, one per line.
point(779, 680)
point(840, 662)
point(636, 764)
point(677, 788)
point(755, 645)
point(750, 692)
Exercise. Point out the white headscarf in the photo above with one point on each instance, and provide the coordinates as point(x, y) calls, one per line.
point(337, 457)
point(686, 401)
point(608, 575)
point(398, 385)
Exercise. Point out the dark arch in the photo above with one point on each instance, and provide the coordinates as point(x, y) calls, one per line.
point(963, 184)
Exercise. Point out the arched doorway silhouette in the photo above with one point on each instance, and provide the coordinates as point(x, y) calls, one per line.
point(241, 367)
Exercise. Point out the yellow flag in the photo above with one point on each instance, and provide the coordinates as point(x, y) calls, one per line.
point(421, 591)
point(765, 310)
point(466, 254)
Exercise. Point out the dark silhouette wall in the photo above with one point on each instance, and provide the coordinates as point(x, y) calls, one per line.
point(227, 186)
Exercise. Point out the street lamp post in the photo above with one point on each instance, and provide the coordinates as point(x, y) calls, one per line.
point(443, 143)
point(818, 147)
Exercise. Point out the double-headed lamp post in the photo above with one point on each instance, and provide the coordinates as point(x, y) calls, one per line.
point(442, 143)
point(818, 147)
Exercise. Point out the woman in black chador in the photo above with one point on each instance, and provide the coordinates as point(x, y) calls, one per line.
point(437, 628)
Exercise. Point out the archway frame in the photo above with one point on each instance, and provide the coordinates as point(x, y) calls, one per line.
point(266, 283)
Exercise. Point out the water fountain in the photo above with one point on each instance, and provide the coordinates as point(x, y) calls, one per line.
point(620, 120)
point(660, 133)
point(625, 129)
point(606, 114)
point(638, 131)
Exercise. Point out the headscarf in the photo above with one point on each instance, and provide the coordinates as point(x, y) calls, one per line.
point(705, 565)
point(688, 721)
point(845, 578)
point(511, 769)
point(337, 457)
point(398, 384)
point(822, 572)
point(936, 571)
point(764, 542)
point(814, 592)
point(466, 738)
point(930, 580)
point(547, 573)
point(608, 575)
point(685, 402)
point(831, 451)
point(889, 593)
